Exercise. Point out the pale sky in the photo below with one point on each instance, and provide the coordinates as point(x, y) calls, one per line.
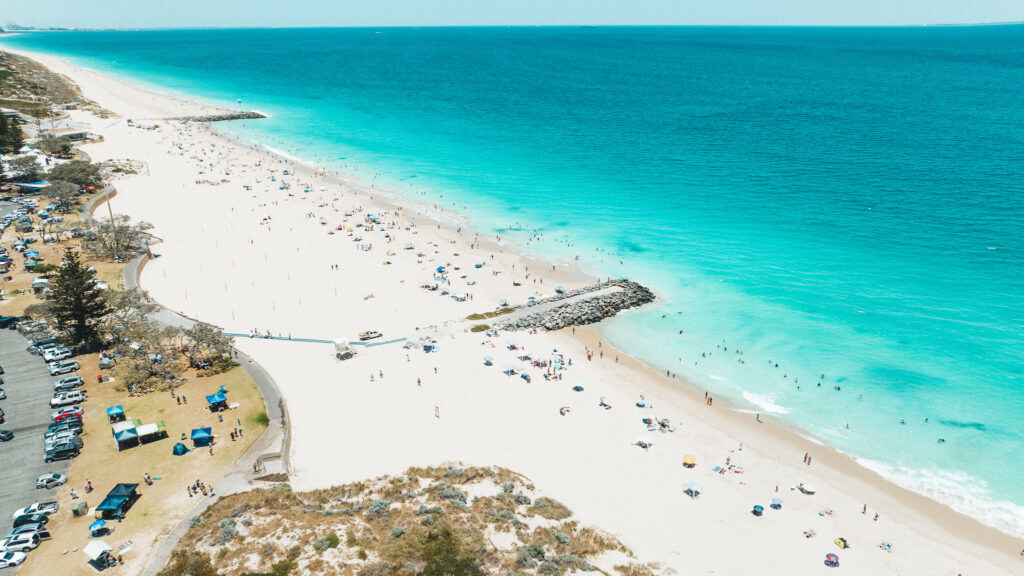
point(300, 13)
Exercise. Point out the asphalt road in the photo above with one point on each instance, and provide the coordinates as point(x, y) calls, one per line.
point(29, 387)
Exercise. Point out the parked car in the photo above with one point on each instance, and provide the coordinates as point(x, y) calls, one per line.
point(62, 452)
point(68, 383)
point(39, 529)
point(41, 349)
point(7, 321)
point(61, 441)
point(8, 559)
point(369, 335)
point(2, 416)
point(46, 508)
point(44, 339)
point(62, 367)
point(67, 398)
point(68, 412)
point(6, 435)
point(20, 542)
point(62, 430)
point(3, 395)
point(51, 480)
point(17, 320)
point(30, 519)
point(55, 354)
point(70, 423)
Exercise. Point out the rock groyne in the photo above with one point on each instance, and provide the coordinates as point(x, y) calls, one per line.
point(581, 312)
point(248, 115)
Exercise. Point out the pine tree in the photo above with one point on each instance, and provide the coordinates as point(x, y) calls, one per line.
point(77, 303)
point(11, 139)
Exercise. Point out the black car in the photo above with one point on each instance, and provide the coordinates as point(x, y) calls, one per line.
point(66, 424)
point(62, 452)
point(6, 435)
point(30, 519)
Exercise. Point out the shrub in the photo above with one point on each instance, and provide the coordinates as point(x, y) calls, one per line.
point(452, 494)
point(453, 472)
point(238, 511)
point(508, 487)
point(375, 569)
point(547, 568)
point(329, 541)
point(480, 328)
point(228, 530)
point(522, 499)
point(397, 532)
point(529, 554)
point(350, 539)
point(540, 503)
point(378, 508)
point(362, 555)
point(428, 520)
point(444, 556)
point(429, 510)
point(562, 537)
point(261, 419)
point(551, 510)
point(197, 521)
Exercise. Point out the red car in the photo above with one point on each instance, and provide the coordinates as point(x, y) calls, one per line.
point(69, 412)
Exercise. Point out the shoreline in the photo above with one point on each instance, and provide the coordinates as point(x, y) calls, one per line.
point(914, 509)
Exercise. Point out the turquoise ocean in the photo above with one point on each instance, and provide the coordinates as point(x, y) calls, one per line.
point(844, 203)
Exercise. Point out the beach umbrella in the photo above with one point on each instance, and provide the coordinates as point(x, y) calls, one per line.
point(807, 488)
point(831, 560)
point(776, 501)
point(97, 525)
point(644, 438)
point(31, 253)
point(689, 460)
point(488, 359)
point(758, 510)
point(510, 368)
point(693, 487)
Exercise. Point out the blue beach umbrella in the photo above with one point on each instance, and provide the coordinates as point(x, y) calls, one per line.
point(97, 525)
point(31, 254)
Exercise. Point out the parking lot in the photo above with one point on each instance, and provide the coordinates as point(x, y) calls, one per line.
point(29, 388)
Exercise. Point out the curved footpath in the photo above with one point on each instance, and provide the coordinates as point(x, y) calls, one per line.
point(268, 454)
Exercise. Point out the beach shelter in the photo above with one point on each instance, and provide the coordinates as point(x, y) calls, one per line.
point(179, 449)
point(97, 528)
point(151, 432)
point(202, 437)
point(99, 554)
point(776, 504)
point(217, 402)
point(488, 360)
point(511, 344)
point(831, 560)
point(115, 414)
point(758, 510)
point(692, 489)
point(509, 369)
point(807, 488)
point(118, 501)
point(125, 435)
point(689, 461)
point(559, 290)
point(644, 441)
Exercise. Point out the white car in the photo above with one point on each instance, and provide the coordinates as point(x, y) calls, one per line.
point(68, 398)
point(19, 542)
point(68, 383)
point(45, 508)
point(62, 367)
point(9, 559)
point(55, 354)
point(51, 480)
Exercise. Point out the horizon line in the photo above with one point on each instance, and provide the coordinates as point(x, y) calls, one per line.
point(4, 30)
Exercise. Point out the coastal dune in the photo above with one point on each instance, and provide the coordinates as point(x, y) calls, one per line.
point(241, 252)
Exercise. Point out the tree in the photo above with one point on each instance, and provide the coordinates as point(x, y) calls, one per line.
point(63, 192)
point(128, 309)
point(205, 342)
point(11, 139)
point(77, 304)
point(78, 172)
point(118, 237)
point(55, 145)
point(24, 169)
point(188, 563)
point(444, 556)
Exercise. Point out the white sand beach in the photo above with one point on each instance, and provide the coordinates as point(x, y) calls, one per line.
point(240, 252)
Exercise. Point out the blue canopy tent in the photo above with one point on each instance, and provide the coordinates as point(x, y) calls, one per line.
point(179, 449)
point(217, 402)
point(115, 414)
point(202, 437)
point(126, 438)
point(118, 501)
